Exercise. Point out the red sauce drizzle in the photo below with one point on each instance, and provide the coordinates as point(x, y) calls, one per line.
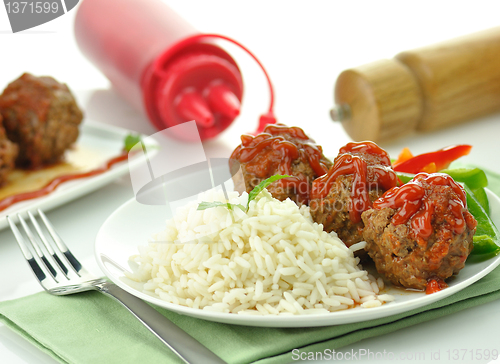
point(414, 206)
point(280, 129)
point(281, 145)
point(350, 161)
point(52, 185)
point(367, 148)
point(346, 164)
point(435, 285)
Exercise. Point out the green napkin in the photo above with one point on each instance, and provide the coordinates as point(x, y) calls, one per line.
point(91, 328)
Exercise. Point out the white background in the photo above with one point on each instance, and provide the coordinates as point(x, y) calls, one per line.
point(304, 46)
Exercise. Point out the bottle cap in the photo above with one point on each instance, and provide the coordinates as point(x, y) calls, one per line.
point(199, 84)
point(194, 80)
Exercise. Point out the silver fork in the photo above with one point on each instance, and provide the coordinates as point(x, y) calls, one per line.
point(60, 273)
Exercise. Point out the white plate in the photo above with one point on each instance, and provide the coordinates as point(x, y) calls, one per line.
point(132, 224)
point(101, 141)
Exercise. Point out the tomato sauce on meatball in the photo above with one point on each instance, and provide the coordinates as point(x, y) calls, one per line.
point(360, 174)
point(420, 232)
point(280, 150)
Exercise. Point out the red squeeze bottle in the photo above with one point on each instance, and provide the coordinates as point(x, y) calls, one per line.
point(162, 65)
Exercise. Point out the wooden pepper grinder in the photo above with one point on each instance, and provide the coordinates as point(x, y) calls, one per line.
point(423, 89)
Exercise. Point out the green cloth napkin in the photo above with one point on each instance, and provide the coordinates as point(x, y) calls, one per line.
point(92, 328)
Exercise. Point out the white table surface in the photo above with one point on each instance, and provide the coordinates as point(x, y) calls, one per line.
point(304, 47)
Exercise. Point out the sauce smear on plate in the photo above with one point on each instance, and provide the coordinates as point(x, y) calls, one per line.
point(27, 185)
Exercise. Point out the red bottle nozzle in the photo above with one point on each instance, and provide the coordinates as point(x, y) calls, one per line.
point(190, 105)
point(222, 99)
point(264, 120)
point(192, 64)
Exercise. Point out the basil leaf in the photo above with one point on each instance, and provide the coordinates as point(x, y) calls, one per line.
point(130, 141)
point(230, 206)
point(208, 205)
point(251, 196)
point(264, 184)
point(241, 207)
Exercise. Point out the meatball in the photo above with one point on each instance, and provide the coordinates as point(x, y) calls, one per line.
point(421, 231)
point(361, 173)
point(333, 211)
point(280, 150)
point(8, 154)
point(42, 117)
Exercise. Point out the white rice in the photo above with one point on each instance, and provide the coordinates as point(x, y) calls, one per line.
point(272, 260)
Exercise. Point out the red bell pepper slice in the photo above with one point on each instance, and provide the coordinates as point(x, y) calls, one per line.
point(441, 158)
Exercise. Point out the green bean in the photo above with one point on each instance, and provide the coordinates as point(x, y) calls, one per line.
point(486, 239)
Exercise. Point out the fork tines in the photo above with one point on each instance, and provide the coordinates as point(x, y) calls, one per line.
point(46, 257)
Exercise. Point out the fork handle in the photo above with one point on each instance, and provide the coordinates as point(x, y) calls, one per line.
point(185, 346)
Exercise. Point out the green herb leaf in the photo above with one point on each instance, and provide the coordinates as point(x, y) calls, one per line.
point(251, 196)
point(208, 205)
point(130, 141)
point(264, 184)
point(230, 206)
point(240, 206)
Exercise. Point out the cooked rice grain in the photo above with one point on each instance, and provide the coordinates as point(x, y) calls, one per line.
point(272, 260)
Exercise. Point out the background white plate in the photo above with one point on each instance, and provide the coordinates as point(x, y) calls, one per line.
point(105, 141)
point(133, 223)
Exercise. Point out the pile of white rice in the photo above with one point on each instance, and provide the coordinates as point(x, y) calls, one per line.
point(272, 260)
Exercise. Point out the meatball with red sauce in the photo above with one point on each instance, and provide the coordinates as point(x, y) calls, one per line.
point(420, 233)
point(42, 117)
point(360, 174)
point(8, 154)
point(279, 150)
